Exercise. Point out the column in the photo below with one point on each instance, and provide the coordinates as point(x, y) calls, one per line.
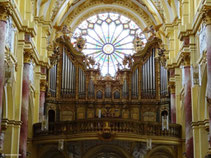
point(187, 106)
point(173, 106)
point(42, 99)
point(3, 22)
point(208, 33)
point(25, 105)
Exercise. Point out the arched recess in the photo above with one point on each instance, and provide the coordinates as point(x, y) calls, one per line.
point(92, 153)
point(99, 94)
point(161, 152)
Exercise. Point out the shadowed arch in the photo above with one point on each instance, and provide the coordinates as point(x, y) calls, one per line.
point(161, 152)
point(53, 152)
point(116, 150)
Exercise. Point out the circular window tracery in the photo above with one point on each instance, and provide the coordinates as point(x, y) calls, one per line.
point(109, 37)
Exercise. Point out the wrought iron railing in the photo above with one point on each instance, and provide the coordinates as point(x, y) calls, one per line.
point(114, 126)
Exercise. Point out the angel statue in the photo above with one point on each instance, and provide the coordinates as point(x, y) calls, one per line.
point(138, 43)
point(153, 30)
point(80, 43)
point(63, 31)
point(125, 61)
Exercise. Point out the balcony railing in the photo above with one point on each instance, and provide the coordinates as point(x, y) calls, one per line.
point(106, 125)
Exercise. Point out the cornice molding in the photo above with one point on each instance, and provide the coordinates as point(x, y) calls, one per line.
point(183, 57)
point(203, 124)
point(29, 45)
point(202, 10)
point(7, 122)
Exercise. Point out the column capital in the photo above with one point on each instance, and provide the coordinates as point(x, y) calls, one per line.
point(4, 14)
point(207, 17)
point(185, 58)
point(43, 84)
point(28, 56)
point(172, 87)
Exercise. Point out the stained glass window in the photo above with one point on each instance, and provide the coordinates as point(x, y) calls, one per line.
point(109, 37)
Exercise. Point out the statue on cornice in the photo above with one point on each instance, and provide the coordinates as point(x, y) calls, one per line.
point(55, 56)
point(162, 56)
point(90, 62)
point(138, 43)
point(64, 31)
point(128, 60)
point(80, 43)
point(153, 30)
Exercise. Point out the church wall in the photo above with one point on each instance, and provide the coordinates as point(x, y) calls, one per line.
point(34, 31)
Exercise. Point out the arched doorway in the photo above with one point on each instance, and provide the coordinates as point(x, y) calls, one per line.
point(51, 116)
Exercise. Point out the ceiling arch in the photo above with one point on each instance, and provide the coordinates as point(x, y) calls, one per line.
point(139, 10)
point(58, 10)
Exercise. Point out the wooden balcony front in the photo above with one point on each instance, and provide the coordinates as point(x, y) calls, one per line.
point(107, 129)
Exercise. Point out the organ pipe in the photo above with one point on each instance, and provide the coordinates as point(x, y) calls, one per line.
point(91, 89)
point(148, 77)
point(125, 89)
point(163, 81)
point(135, 83)
point(68, 77)
point(53, 72)
point(82, 83)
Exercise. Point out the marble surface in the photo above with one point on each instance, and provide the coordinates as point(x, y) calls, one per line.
point(2, 74)
point(24, 111)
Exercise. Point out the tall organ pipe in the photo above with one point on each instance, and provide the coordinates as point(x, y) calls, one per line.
point(68, 77)
point(53, 72)
point(148, 77)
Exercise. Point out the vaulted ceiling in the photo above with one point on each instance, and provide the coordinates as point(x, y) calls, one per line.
point(72, 12)
point(159, 11)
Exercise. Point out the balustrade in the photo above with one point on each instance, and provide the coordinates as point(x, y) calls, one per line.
point(114, 126)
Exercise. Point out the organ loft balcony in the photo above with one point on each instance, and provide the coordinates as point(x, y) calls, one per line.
point(110, 97)
point(84, 105)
